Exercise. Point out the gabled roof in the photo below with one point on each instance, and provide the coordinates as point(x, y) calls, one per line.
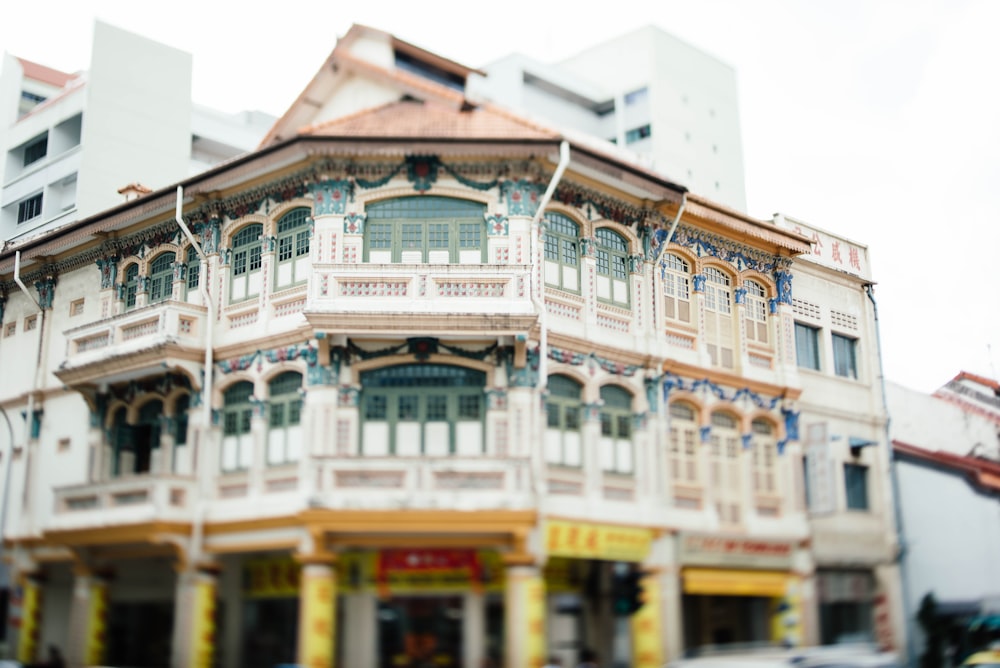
point(342, 63)
point(412, 119)
point(46, 75)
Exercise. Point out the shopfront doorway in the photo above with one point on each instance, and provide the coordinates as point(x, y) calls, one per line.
point(420, 632)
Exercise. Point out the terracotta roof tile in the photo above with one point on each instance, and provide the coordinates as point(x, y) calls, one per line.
point(427, 120)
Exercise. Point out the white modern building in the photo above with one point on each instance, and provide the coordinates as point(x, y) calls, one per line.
point(71, 142)
point(946, 447)
point(672, 104)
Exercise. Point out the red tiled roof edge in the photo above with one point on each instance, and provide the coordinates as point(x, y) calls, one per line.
point(43, 73)
point(983, 472)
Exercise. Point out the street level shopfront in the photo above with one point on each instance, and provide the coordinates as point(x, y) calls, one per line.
point(739, 590)
point(583, 577)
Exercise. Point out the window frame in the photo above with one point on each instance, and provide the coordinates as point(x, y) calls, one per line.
point(856, 496)
point(161, 278)
point(675, 273)
point(453, 387)
point(390, 221)
point(720, 333)
point(284, 418)
point(803, 344)
point(31, 155)
point(755, 312)
point(764, 445)
point(297, 238)
point(564, 416)
point(247, 260)
point(130, 283)
point(562, 249)
point(237, 424)
point(844, 345)
point(29, 208)
point(192, 277)
point(725, 467)
point(683, 441)
point(611, 256)
point(617, 445)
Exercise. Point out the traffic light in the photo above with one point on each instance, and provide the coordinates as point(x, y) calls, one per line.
point(626, 591)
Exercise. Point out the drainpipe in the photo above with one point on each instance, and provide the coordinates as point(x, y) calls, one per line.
point(903, 553)
point(673, 228)
point(39, 374)
point(538, 299)
point(197, 529)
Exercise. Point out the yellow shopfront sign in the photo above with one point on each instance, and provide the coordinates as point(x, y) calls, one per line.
point(581, 540)
point(718, 582)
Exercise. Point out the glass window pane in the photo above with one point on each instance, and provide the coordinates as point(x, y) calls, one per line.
point(469, 407)
point(407, 408)
point(437, 408)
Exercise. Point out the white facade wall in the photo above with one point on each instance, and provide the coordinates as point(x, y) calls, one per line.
point(694, 108)
point(953, 534)
point(934, 424)
point(137, 127)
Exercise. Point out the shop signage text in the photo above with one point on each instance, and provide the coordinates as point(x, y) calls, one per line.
point(723, 551)
point(596, 541)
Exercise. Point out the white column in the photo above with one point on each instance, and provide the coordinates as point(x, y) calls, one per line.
point(474, 631)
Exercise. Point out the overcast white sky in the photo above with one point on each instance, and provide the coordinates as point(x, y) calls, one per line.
point(878, 120)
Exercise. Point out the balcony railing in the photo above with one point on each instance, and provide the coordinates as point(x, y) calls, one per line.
point(480, 482)
point(166, 322)
point(124, 500)
point(422, 288)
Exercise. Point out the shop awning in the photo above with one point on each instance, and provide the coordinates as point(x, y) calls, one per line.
point(719, 582)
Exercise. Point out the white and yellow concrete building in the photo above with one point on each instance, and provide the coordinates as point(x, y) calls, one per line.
point(432, 386)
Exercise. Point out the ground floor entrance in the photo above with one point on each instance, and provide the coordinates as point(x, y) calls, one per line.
point(420, 632)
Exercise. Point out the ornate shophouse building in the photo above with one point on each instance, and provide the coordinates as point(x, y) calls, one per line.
point(435, 384)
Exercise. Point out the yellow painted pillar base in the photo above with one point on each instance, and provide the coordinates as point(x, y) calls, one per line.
point(31, 620)
point(317, 612)
point(194, 609)
point(524, 618)
point(647, 626)
point(88, 620)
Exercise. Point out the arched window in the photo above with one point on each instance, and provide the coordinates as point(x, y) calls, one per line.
point(612, 267)
point(293, 248)
point(616, 430)
point(161, 277)
point(237, 412)
point(245, 280)
point(284, 439)
point(562, 436)
point(193, 264)
point(765, 454)
point(724, 467)
point(425, 229)
point(562, 252)
point(718, 317)
point(684, 467)
point(131, 285)
point(676, 287)
point(422, 409)
point(756, 311)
